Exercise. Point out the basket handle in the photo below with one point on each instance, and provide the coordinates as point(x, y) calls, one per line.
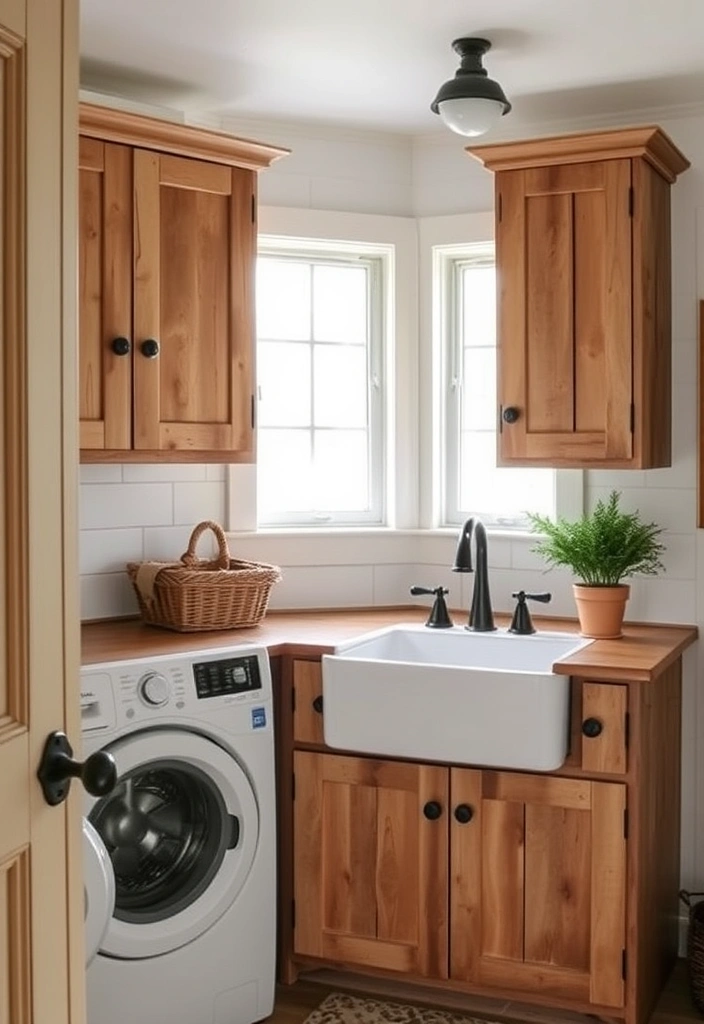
point(189, 557)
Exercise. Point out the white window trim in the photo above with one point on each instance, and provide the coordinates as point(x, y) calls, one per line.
point(401, 420)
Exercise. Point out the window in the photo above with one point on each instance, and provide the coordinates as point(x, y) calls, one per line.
point(320, 368)
point(473, 485)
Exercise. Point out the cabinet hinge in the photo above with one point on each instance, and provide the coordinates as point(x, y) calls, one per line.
point(293, 698)
point(631, 201)
point(627, 730)
point(293, 787)
point(254, 209)
point(624, 964)
point(293, 914)
point(625, 823)
point(252, 410)
point(500, 207)
point(501, 419)
point(633, 417)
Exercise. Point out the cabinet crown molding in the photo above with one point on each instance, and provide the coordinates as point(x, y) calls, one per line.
point(649, 142)
point(111, 125)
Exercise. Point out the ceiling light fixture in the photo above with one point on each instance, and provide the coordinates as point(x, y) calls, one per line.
point(470, 103)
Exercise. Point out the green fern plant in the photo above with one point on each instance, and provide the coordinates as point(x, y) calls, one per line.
point(603, 546)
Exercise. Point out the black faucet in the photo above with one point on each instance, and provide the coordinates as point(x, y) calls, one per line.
point(481, 617)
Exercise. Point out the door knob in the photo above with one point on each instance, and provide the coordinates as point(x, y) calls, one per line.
point(98, 773)
point(464, 813)
point(510, 414)
point(149, 348)
point(432, 810)
point(317, 703)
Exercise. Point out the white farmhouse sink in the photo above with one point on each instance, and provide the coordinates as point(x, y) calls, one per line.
point(451, 695)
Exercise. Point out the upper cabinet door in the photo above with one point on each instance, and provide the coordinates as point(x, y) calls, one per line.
point(565, 314)
point(105, 295)
point(194, 249)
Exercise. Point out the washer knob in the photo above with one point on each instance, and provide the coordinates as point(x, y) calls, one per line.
point(154, 689)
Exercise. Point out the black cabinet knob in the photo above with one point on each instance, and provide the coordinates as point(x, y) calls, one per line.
point(592, 727)
point(432, 810)
point(98, 773)
point(120, 346)
point(318, 704)
point(149, 348)
point(464, 813)
point(510, 414)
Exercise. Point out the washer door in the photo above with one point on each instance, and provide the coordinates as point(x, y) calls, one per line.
point(98, 889)
point(181, 829)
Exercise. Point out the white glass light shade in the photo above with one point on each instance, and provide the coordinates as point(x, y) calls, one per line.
point(470, 115)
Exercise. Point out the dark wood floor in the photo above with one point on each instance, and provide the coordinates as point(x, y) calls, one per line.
point(295, 1002)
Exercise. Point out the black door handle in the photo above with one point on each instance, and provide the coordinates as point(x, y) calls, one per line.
point(317, 703)
point(98, 773)
point(432, 810)
point(149, 348)
point(592, 727)
point(464, 813)
point(510, 414)
point(120, 346)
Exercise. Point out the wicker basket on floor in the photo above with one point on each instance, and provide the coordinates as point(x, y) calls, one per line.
point(199, 594)
point(695, 946)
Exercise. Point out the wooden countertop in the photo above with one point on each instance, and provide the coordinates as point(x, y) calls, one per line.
point(642, 654)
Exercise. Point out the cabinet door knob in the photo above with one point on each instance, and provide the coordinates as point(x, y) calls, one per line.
point(150, 348)
point(98, 773)
point(592, 727)
point(510, 414)
point(432, 810)
point(318, 704)
point(120, 346)
point(464, 813)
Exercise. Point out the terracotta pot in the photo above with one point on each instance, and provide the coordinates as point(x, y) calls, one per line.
point(601, 610)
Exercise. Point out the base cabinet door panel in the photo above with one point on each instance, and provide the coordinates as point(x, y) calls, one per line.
point(371, 863)
point(538, 885)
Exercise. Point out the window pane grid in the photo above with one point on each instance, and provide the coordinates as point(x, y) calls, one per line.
point(319, 387)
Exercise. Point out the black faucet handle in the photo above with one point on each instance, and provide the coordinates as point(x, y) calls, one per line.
point(521, 623)
point(439, 617)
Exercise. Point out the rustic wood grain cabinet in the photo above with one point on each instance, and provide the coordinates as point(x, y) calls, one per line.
point(558, 888)
point(584, 311)
point(167, 244)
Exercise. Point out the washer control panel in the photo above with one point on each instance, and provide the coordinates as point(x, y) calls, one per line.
point(228, 675)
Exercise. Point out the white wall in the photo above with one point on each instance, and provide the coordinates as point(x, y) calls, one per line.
point(133, 512)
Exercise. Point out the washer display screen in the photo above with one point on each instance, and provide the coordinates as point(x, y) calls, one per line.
point(230, 675)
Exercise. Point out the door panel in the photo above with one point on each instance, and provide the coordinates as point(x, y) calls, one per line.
point(538, 894)
point(370, 875)
point(564, 309)
point(105, 294)
point(194, 267)
point(41, 953)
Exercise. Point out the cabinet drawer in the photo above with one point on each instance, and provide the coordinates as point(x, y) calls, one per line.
point(308, 702)
point(604, 726)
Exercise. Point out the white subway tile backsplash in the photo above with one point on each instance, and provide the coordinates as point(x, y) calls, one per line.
point(100, 473)
point(106, 596)
point(662, 600)
point(104, 506)
point(165, 473)
point(105, 551)
point(168, 543)
point(673, 510)
point(194, 502)
point(680, 556)
point(323, 586)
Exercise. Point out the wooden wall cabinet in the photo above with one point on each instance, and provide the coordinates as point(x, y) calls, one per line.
point(556, 888)
point(167, 244)
point(583, 294)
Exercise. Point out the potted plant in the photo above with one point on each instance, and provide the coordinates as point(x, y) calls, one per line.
point(601, 548)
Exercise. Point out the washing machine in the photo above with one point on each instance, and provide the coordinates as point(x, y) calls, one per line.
point(189, 831)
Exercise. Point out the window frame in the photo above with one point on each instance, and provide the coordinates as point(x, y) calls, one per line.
point(378, 261)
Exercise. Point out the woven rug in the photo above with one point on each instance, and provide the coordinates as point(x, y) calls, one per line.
point(340, 1008)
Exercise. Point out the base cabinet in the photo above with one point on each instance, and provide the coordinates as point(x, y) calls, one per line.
point(497, 878)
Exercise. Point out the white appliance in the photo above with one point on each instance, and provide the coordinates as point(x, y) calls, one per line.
point(190, 833)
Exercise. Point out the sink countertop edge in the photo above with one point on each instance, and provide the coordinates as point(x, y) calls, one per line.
point(642, 654)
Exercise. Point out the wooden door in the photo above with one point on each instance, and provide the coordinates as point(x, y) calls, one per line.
point(41, 891)
point(563, 248)
point(538, 899)
point(370, 868)
point(105, 295)
point(194, 266)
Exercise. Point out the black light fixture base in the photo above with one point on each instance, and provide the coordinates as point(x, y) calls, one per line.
point(471, 80)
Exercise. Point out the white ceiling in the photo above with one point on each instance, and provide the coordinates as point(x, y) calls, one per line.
point(378, 63)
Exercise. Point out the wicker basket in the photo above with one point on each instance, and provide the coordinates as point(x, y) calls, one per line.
point(695, 946)
point(198, 594)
